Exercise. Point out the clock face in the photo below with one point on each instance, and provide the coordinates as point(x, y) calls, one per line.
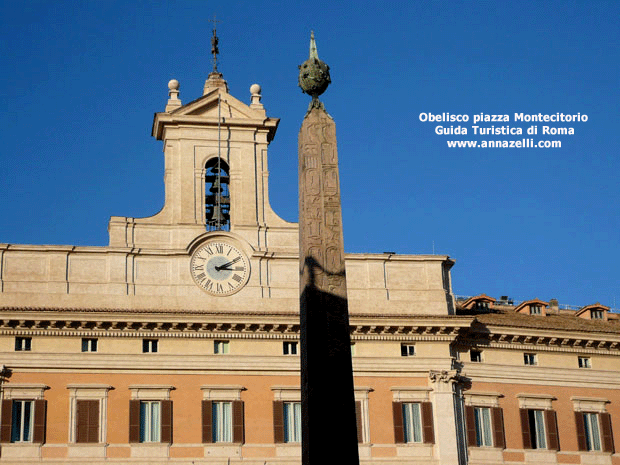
point(220, 268)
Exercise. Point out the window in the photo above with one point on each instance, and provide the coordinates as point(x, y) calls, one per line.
point(217, 195)
point(482, 306)
point(150, 414)
point(221, 347)
point(407, 350)
point(292, 421)
point(87, 421)
point(485, 423)
point(412, 422)
point(535, 310)
point(23, 343)
point(222, 421)
point(23, 416)
point(592, 434)
point(88, 412)
point(150, 421)
point(475, 355)
point(584, 362)
point(22, 420)
point(530, 359)
point(149, 345)
point(482, 423)
point(89, 344)
point(289, 347)
point(596, 314)
point(539, 429)
point(594, 431)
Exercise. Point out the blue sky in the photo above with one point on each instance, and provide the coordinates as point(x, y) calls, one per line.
point(83, 79)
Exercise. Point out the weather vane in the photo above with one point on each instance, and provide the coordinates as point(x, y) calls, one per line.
point(214, 41)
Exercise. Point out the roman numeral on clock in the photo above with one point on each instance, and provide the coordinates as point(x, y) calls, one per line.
point(237, 278)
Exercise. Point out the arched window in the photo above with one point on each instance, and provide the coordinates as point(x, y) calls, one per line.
point(217, 195)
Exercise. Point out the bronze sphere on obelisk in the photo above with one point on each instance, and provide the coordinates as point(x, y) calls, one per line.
point(314, 75)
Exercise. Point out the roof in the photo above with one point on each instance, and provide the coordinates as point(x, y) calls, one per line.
point(550, 321)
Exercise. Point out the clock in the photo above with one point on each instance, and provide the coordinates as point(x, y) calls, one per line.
point(219, 268)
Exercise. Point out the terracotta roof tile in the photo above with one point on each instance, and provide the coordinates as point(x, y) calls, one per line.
point(551, 321)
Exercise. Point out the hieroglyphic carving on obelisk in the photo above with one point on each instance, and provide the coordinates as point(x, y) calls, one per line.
point(320, 223)
point(329, 432)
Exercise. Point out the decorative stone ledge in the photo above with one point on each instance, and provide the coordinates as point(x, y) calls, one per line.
point(536, 401)
point(589, 404)
point(222, 392)
point(150, 391)
point(24, 391)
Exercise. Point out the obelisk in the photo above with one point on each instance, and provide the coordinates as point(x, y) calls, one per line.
point(329, 432)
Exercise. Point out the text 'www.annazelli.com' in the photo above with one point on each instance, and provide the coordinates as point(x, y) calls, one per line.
point(505, 144)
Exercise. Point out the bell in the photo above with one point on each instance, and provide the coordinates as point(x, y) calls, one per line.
point(218, 217)
point(216, 186)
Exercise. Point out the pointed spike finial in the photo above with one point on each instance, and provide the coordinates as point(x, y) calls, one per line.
point(313, 51)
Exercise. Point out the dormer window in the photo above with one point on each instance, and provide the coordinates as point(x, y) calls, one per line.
point(532, 307)
point(594, 312)
point(217, 195)
point(482, 306)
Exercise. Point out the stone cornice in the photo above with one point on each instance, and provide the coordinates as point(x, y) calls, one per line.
point(540, 339)
point(197, 324)
point(571, 342)
point(547, 376)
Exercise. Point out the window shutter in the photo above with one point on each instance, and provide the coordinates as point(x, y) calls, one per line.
point(428, 432)
point(358, 421)
point(470, 424)
point(166, 421)
point(6, 420)
point(134, 421)
point(553, 441)
point(606, 432)
point(81, 421)
point(237, 422)
point(93, 421)
point(87, 421)
point(525, 428)
point(278, 422)
point(580, 426)
point(207, 421)
point(399, 430)
point(38, 433)
point(499, 439)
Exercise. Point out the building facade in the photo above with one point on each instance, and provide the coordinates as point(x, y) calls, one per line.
point(179, 341)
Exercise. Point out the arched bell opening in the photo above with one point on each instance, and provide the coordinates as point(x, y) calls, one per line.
point(217, 195)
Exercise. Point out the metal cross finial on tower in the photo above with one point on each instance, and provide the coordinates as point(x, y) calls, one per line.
point(214, 41)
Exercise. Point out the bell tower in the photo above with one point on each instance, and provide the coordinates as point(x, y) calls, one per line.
point(216, 175)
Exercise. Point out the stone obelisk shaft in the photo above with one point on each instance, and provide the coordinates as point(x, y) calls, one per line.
point(329, 432)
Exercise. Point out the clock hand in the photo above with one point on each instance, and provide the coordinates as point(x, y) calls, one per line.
point(226, 265)
point(237, 268)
